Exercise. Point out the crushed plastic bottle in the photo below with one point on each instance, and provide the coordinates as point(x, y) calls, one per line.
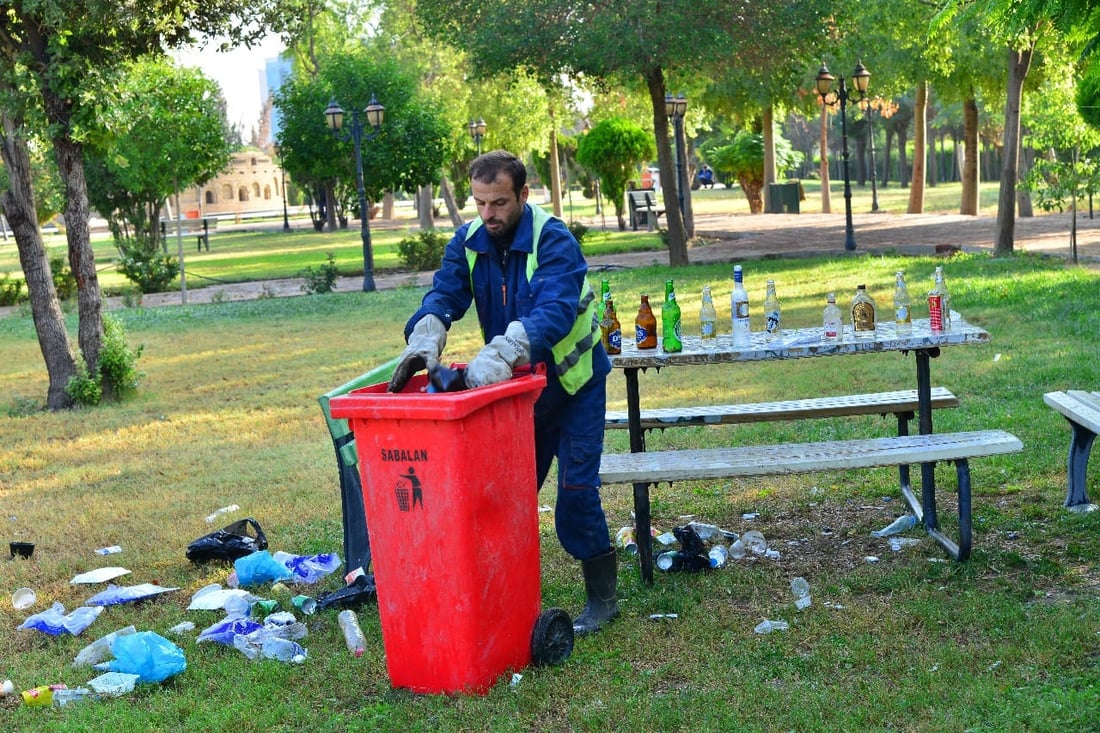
point(75, 694)
point(767, 626)
point(353, 635)
point(211, 518)
point(754, 542)
point(711, 532)
point(718, 556)
point(801, 590)
point(112, 550)
point(899, 525)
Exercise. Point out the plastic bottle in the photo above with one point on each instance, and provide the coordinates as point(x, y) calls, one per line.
point(903, 317)
point(767, 626)
point(832, 325)
point(711, 532)
point(353, 635)
point(672, 341)
point(801, 591)
point(863, 314)
point(902, 523)
point(611, 332)
point(739, 309)
point(718, 556)
point(76, 694)
point(219, 512)
point(645, 326)
point(708, 321)
point(771, 312)
point(112, 550)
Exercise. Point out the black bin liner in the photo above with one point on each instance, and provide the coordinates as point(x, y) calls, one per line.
point(228, 543)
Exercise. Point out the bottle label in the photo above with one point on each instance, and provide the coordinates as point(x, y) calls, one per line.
point(706, 329)
point(935, 312)
point(772, 323)
point(615, 340)
point(831, 330)
point(640, 333)
point(901, 314)
point(741, 309)
point(863, 317)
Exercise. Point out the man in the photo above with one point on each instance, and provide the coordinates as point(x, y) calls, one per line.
point(525, 274)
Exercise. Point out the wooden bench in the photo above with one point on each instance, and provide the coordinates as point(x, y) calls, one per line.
point(191, 228)
point(1082, 410)
point(767, 460)
point(642, 205)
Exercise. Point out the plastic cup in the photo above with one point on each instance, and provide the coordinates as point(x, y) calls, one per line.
point(305, 604)
point(7, 688)
point(23, 598)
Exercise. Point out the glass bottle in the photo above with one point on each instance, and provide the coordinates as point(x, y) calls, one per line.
point(832, 325)
point(863, 314)
point(708, 321)
point(903, 317)
point(672, 341)
point(771, 312)
point(611, 332)
point(941, 288)
point(605, 295)
point(739, 309)
point(645, 326)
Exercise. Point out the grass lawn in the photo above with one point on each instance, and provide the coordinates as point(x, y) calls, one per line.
point(227, 413)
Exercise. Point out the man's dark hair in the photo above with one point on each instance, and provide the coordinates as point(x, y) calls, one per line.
point(487, 167)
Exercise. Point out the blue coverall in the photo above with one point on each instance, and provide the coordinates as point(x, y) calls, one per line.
point(570, 427)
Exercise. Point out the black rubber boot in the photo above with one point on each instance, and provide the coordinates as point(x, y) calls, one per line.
point(600, 578)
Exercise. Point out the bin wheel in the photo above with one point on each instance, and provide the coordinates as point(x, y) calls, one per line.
point(552, 639)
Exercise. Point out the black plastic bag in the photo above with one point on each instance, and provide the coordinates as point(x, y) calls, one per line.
point(446, 379)
point(229, 542)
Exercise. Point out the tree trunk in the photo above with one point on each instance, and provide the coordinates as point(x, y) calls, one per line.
point(425, 207)
point(70, 164)
point(1023, 196)
point(330, 207)
point(49, 321)
point(971, 201)
point(446, 190)
point(920, 132)
point(826, 197)
point(387, 206)
point(555, 168)
point(769, 155)
point(677, 236)
point(1018, 64)
point(681, 147)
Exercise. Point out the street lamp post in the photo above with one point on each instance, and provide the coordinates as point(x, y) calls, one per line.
point(477, 131)
point(374, 112)
point(831, 96)
point(675, 107)
point(871, 143)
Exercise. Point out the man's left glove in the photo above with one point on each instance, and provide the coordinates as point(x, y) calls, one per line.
point(495, 361)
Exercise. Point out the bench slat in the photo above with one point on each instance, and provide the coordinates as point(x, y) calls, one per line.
point(688, 465)
point(1079, 406)
point(878, 403)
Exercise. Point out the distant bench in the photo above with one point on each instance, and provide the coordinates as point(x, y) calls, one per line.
point(1082, 410)
point(643, 207)
point(191, 228)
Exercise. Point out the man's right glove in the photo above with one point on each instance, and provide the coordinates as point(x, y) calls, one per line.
point(426, 343)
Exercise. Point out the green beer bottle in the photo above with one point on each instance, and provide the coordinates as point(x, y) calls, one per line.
point(670, 321)
point(605, 295)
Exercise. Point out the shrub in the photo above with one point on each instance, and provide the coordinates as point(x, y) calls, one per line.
point(83, 388)
point(424, 251)
point(323, 279)
point(117, 374)
point(578, 230)
point(64, 282)
point(11, 290)
point(146, 267)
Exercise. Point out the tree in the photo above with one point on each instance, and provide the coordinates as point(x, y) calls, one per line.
point(613, 149)
point(743, 158)
point(168, 132)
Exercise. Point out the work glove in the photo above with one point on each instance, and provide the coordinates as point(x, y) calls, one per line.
point(495, 361)
point(426, 343)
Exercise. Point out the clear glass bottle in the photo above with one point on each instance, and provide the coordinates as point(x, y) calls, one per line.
point(863, 314)
point(708, 321)
point(611, 331)
point(903, 317)
point(941, 288)
point(832, 324)
point(672, 340)
point(771, 312)
point(739, 309)
point(645, 326)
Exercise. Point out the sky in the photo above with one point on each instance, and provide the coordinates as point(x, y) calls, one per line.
point(240, 75)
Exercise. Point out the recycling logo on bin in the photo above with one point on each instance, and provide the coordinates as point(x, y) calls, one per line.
point(409, 491)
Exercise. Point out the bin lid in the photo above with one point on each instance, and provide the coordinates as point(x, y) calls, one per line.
point(412, 403)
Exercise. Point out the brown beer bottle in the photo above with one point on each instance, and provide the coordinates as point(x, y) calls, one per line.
point(645, 326)
point(611, 330)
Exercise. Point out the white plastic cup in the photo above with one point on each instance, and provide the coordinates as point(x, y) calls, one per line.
point(7, 688)
point(23, 598)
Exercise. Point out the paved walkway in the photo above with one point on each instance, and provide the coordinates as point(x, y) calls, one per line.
point(741, 237)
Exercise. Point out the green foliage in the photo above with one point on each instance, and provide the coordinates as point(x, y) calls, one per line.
point(64, 282)
point(83, 388)
point(578, 230)
point(323, 279)
point(11, 290)
point(742, 157)
point(116, 374)
point(424, 251)
point(145, 266)
point(613, 149)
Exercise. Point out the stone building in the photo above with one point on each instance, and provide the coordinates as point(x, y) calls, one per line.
point(252, 184)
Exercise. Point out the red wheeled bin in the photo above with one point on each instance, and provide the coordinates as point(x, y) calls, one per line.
point(450, 498)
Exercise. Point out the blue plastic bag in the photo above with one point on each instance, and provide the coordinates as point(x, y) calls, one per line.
point(54, 620)
point(148, 655)
point(260, 567)
point(115, 594)
point(309, 568)
point(223, 631)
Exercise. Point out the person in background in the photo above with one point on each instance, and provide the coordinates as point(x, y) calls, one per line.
point(524, 273)
point(706, 176)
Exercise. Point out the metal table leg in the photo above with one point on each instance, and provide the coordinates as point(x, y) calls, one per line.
point(642, 520)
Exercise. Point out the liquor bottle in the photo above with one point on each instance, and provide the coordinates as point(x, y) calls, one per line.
point(941, 288)
point(610, 331)
point(708, 321)
point(903, 318)
point(863, 314)
point(739, 309)
point(771, 312)
point(605, 295)
point(645, 326)
point(672, 340)
point(832, 324)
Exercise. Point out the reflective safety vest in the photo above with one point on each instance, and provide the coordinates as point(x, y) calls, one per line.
point(573, 353)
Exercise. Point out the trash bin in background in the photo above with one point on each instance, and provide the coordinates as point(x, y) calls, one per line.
point(784, 197)
point(449, 486)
